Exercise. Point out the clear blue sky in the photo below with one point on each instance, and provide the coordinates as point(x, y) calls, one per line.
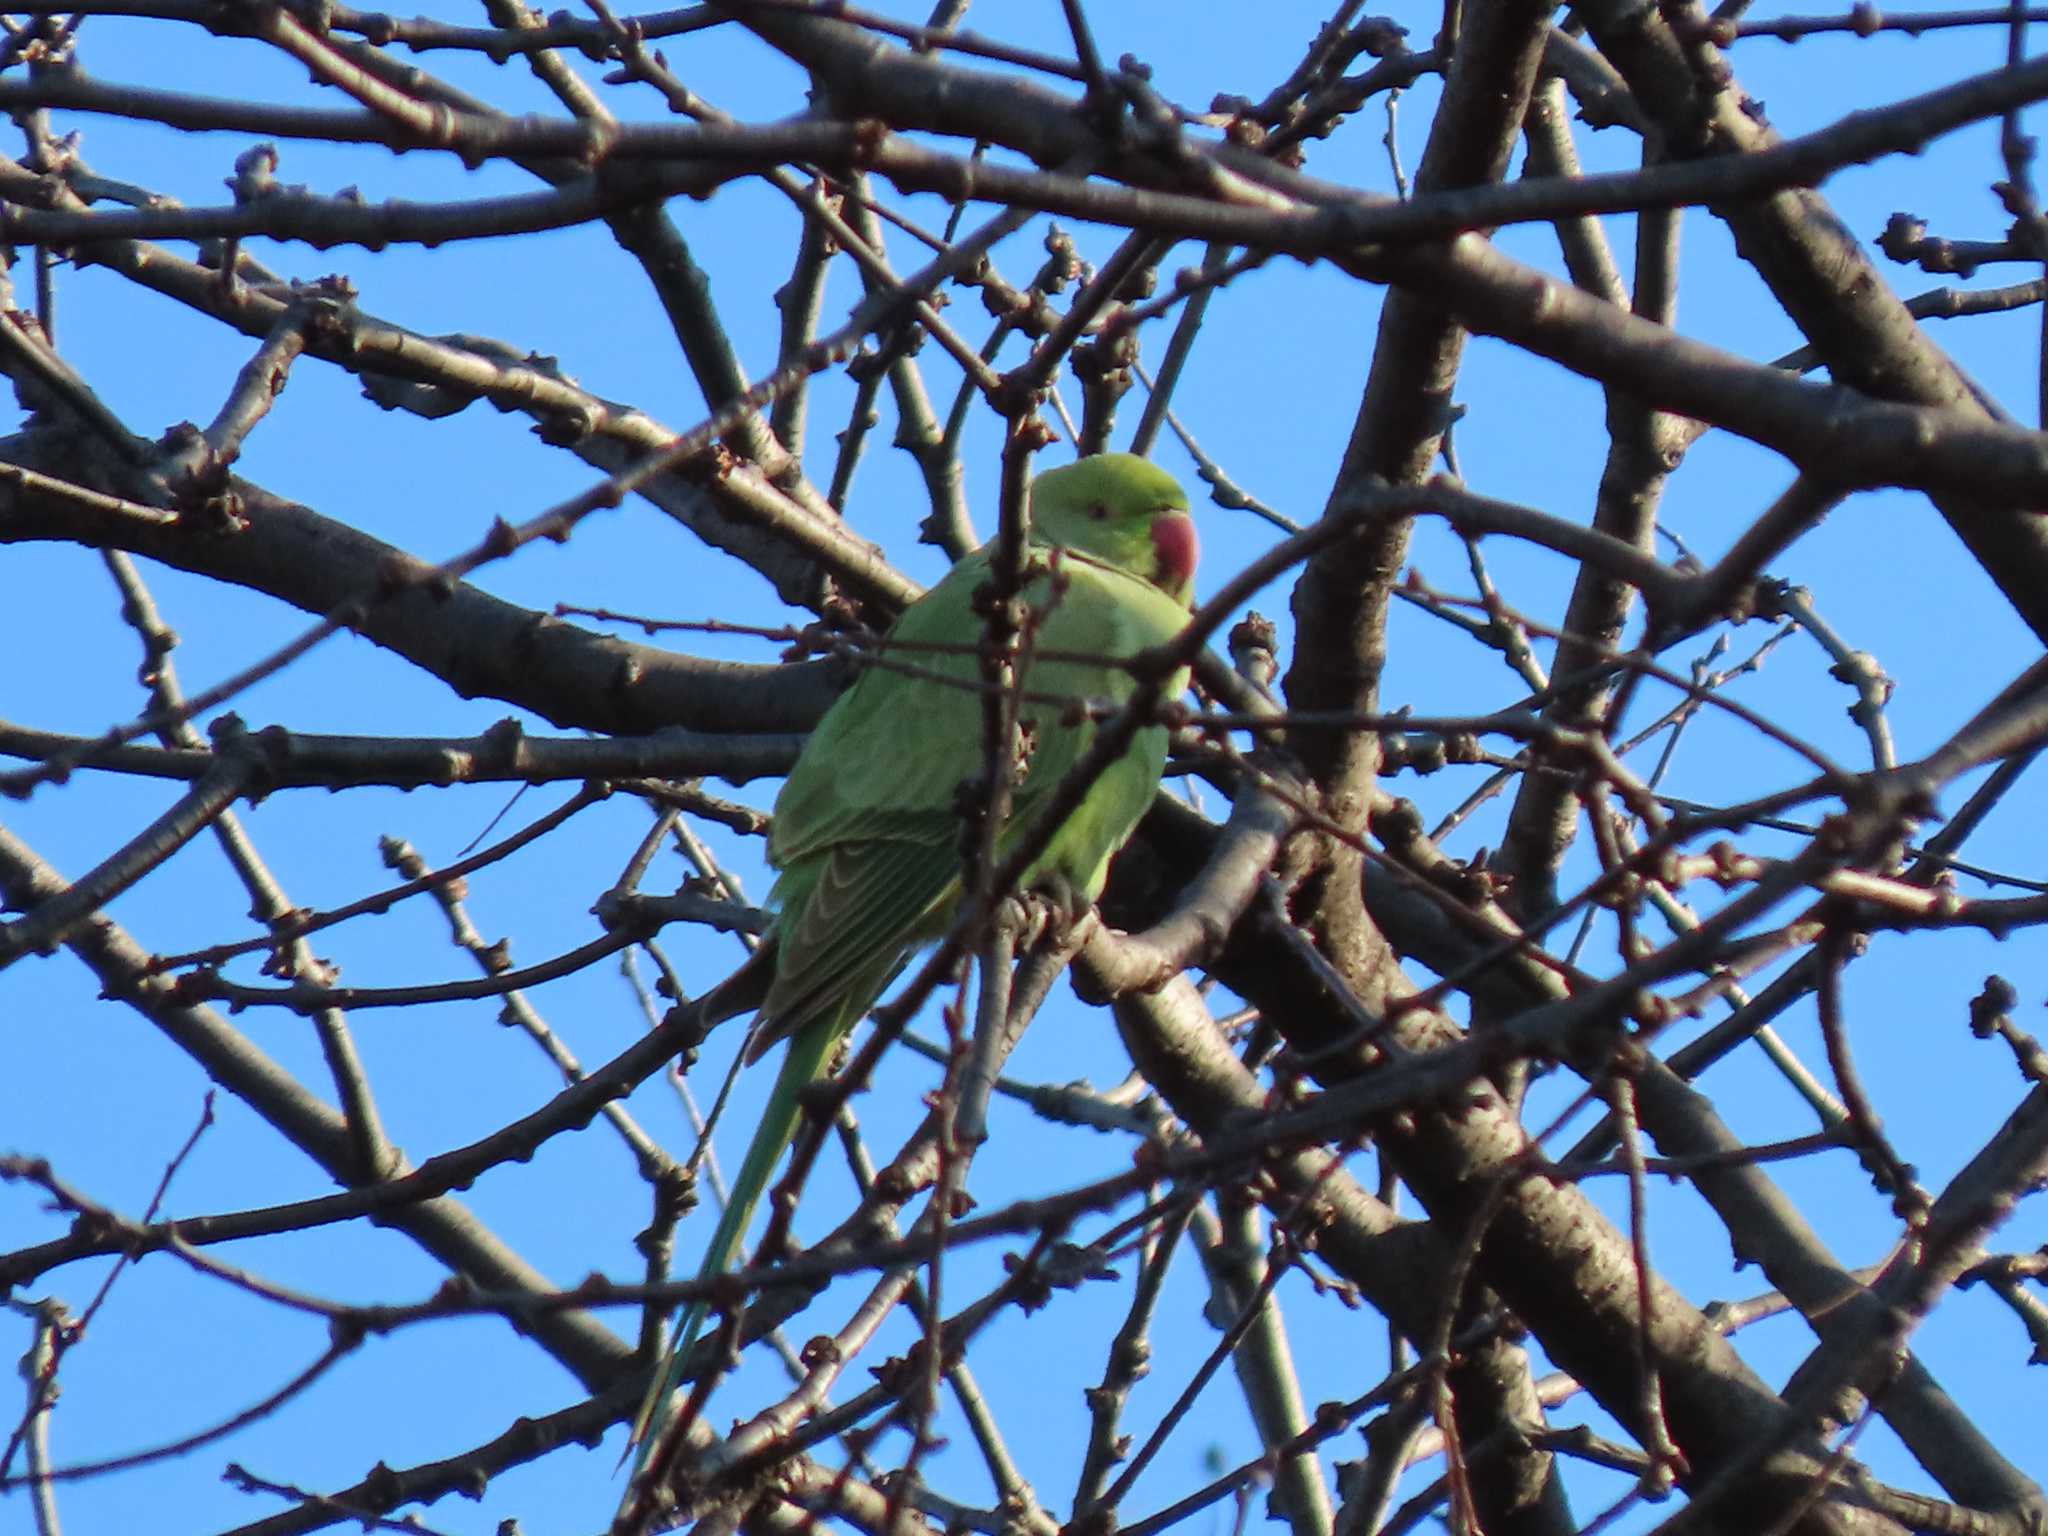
point(1270, 393)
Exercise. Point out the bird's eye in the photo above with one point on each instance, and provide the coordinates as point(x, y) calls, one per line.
point(1099, 512)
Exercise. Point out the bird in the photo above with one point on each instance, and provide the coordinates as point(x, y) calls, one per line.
point(866, 831)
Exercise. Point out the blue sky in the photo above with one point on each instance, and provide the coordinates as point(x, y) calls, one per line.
point(1270, 394)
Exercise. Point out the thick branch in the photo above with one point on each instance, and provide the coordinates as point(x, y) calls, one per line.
point(478, 644)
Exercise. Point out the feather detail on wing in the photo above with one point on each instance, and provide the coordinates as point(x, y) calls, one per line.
point(864, 904)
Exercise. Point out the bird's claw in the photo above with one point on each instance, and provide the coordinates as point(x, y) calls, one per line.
point(1051, 910)
point(1074, 902)
point(1025, 916)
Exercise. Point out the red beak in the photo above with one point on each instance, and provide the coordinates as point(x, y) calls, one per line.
point(1177, 549)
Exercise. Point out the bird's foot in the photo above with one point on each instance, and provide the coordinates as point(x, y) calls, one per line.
point(1061, 906)
point(1025, 916)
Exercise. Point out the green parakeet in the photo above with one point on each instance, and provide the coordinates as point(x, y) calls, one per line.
point(866, 835)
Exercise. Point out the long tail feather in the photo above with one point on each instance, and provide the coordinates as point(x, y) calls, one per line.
point(808, 1052)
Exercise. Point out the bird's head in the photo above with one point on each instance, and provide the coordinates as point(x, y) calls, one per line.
point(1124, 511)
